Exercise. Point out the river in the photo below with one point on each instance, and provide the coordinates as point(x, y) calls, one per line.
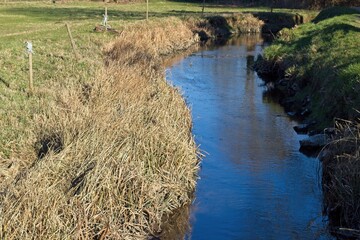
point(254, 183)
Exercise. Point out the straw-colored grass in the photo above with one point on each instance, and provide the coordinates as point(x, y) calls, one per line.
point(341, 178)
point(122, 155)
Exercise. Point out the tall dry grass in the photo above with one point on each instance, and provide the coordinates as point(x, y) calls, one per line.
point(116, 155)
point(341, 178)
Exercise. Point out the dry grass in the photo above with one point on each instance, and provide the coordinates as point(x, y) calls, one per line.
point(341, 177)
point(224, 25)
point(146, 48)
point(121, 151)
point(245, 23)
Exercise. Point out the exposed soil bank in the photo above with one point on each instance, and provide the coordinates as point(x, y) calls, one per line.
point(274, 22)
point(223, 26)
point(315, 69)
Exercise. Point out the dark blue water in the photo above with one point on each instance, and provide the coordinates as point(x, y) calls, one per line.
point(254, 184)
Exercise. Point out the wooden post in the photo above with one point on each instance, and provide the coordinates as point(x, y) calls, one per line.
point(147, 9)
point(273, 5)
point(31, 87)
point(106, 18)
point(72, 42)
point(203, 7)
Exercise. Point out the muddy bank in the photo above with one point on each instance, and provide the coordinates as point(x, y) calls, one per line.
point(275, 22)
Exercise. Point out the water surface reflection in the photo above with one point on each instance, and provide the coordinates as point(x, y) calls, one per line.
point(254, 182)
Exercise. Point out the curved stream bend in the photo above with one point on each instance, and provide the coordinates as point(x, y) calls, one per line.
point(254, 182)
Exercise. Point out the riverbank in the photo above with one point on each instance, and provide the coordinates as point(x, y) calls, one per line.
point(115, 155)
point(315, 69)
point(103, 145)
point(315, 65)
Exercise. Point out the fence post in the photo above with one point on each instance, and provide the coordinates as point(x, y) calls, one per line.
point(147, 9)
point(30, 52)
point(105, 20)
point(72, 42)
point(203, 8)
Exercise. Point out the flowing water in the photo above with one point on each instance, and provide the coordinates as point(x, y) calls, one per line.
point(254, 184)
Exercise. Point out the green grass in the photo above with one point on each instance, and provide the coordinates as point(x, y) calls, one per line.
point(324, 56)
point(333, 12)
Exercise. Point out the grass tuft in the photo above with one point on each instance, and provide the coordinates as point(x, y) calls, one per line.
point(341, 178)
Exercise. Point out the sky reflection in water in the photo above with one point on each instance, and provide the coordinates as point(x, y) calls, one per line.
point(254, 182)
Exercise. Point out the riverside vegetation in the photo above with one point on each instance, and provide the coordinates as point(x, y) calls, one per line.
point(316, 68)
point(103, 147)
point(114, 153)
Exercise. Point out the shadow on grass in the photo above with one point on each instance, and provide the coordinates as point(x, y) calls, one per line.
point(232, 5)
point(78, 13)
point(276, 21)
point(4, 82)
point(265, 4)
point(66, 14)
point(75, 14)
point(334, 12)
point(327, 35)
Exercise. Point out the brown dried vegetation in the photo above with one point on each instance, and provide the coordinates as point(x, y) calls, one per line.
point(115, 155)
point(341, 178)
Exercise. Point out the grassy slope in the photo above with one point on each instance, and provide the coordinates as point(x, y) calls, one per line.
point(323, 58)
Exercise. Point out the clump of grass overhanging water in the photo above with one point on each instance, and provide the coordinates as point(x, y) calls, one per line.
point(341, 179)
point(125, 157)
